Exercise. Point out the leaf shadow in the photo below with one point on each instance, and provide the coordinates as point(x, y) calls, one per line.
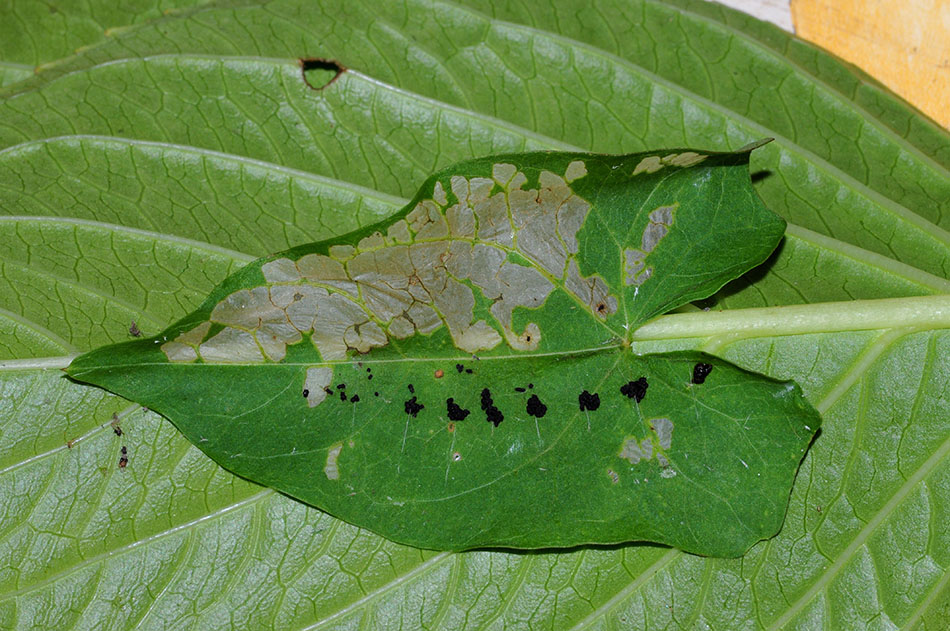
point(760, 175)
point(599, 547)
point(745, 281)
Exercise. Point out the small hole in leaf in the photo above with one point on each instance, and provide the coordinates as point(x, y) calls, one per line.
point(320, 73)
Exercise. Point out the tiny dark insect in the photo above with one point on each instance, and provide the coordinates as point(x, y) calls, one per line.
point(413, 407)
point(635, 390)
point(342, 395)
point(306, 393)
point(340, 386)
point(492, 414)
point(455, 411)
point(459, 367)
point(700, 372)
point(588, 401)
point(328, 391)
point(354, 398)
point(375, 394)
point(134, 330)
point(519, 389)
point(468, 371)
point(535, 407)
point(411, 389)
point(115, 425)
point(124, 458)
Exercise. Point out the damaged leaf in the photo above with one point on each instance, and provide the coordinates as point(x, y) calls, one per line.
point(434, 376)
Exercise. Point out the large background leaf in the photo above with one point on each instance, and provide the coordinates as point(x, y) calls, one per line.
point(137, 174)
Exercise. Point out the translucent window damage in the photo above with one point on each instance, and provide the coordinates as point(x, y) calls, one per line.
point(416, 278)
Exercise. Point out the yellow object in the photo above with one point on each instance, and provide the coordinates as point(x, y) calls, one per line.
point(904, 44)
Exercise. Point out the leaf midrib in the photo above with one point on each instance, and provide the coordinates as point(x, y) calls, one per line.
point(202, 152)
point(148, 235)
point(921, 312)
point(907, 314)
point(38, 329)
point(82, 288)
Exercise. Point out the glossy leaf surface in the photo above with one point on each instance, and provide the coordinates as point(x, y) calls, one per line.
point(472, 355)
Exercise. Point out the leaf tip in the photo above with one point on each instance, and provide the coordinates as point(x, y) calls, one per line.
point(752, 146)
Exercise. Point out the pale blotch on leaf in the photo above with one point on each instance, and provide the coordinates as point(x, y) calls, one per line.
point(652, 164)
point(636, 271)
point(646, 448)
point(231, 346)
point(438, 194)
point(314, 386)
point(663, 427)
point(575, 170)
point(184, 348)
point(331, 470)
point(634, 449)
point(685, 159)
point(420, 276)
point(631, 451)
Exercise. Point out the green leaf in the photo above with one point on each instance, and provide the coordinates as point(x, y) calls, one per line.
point(33, 33)
point(853, 177)
point(172, 540)
point(356, 357)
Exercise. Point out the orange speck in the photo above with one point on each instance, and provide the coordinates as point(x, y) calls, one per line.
point(439, 373)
